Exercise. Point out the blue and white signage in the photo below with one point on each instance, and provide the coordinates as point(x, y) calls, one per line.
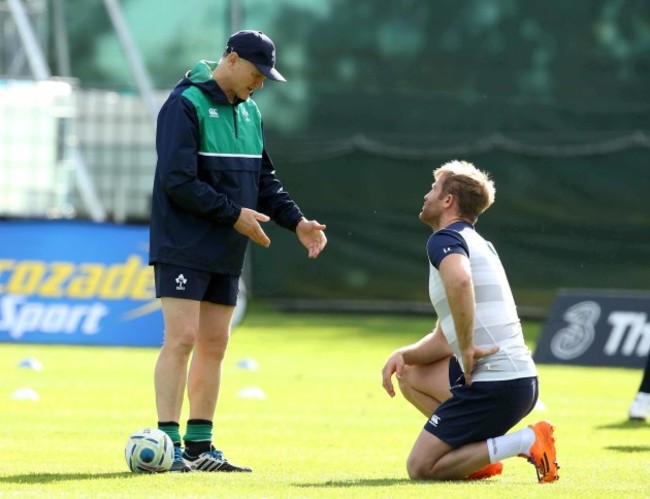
point(72, 282)
point(597, 328)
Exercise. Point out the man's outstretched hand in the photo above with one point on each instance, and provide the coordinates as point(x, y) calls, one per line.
point(311, 235)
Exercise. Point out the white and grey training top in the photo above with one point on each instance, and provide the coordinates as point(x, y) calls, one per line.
point(496, 319)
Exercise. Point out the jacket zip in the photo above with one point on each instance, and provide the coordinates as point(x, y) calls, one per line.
point(234, 119)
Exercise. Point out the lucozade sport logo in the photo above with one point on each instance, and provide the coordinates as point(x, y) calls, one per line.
point(70, 297)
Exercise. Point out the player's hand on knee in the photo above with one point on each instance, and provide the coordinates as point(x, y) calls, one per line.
point(394, 365)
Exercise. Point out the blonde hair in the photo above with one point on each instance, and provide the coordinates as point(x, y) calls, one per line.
point(473, 188)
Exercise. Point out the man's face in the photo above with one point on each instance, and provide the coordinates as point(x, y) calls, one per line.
point(246, 78)
point(433, 205)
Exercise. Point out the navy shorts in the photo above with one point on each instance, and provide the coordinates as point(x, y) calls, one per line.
point(482, 410)
point(192, 284)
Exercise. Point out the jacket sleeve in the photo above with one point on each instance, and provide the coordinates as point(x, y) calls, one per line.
point(273, 200)
point(177, 144)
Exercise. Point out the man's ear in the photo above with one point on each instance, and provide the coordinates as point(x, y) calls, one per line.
point(232, 58)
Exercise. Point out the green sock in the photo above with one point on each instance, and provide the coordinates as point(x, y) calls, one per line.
point(172, 428)
point(198, 438)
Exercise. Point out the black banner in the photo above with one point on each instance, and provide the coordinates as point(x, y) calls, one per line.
point(596, 328)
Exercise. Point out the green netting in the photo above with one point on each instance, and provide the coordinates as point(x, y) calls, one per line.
point(557, 222)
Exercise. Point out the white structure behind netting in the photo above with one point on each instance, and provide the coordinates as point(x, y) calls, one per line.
point(36, 129)
point(117, 139)
point(43, 123)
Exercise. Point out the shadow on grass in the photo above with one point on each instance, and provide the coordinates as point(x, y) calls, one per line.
point(624, 425)
point(34, 478)
point(629, 448)
point(369, 482)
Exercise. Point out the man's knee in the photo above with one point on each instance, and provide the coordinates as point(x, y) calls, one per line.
point(180, 339)
point(418, 470)
point(405, 382)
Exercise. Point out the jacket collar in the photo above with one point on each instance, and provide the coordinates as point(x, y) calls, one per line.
point(201, 76)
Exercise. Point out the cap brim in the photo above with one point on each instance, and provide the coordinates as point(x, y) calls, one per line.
point(270, 73)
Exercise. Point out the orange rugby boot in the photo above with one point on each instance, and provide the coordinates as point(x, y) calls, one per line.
point(542, 453)
point(487, 471)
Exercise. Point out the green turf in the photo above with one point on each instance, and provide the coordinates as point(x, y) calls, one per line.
point(325, 429)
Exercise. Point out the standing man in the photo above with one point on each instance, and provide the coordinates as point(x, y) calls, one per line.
point(473, 376)
point(214, 185)
point(640, 406)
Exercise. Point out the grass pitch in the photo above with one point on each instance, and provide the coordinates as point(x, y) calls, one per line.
point(325, 428)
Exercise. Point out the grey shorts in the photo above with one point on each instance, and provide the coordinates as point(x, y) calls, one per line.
point(181, 282)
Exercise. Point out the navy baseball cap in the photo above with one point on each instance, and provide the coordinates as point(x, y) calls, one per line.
point(255, 47)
